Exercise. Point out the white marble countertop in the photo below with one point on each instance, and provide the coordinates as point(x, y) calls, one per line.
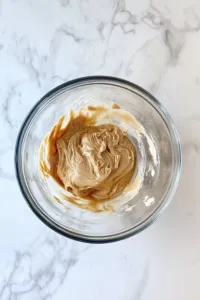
point(155, 44)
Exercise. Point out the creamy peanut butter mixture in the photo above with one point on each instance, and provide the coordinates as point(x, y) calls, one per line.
point(90, 161)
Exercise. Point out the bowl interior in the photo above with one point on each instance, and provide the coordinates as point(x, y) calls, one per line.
point(160, 160)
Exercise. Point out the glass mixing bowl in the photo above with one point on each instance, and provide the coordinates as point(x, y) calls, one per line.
point(159, 180)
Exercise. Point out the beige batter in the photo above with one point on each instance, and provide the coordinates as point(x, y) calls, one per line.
point(90, 161)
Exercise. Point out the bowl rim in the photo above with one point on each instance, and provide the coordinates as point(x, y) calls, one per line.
point(131, 231)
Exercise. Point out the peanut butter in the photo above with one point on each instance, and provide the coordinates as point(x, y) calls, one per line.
point(93, 162)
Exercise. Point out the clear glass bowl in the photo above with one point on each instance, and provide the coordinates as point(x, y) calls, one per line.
point(159, 181)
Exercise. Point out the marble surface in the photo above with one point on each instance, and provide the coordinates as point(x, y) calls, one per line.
point(155, 44)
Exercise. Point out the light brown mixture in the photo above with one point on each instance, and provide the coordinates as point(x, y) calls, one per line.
point(91, 162)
